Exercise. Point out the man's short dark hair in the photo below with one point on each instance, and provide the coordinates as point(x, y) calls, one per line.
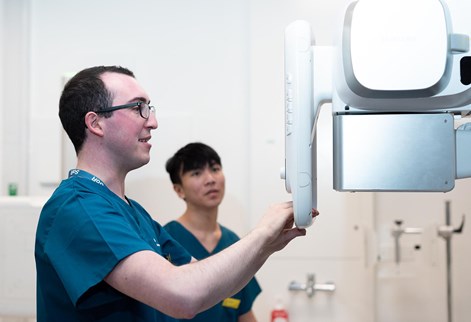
point(83, 93)
point(192, 156)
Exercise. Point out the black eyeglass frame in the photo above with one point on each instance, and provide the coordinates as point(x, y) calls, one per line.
point(138, 104)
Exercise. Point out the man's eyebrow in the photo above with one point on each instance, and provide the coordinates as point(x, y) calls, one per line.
point(139, 99)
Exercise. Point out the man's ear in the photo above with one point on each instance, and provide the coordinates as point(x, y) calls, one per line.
point(93, 123)
point(179, 190)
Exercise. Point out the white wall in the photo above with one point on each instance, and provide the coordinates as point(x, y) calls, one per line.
point(214, 68)
point(14, 96)
point(191, 57)
point(418, 284)
point(18, 221)
point(1, 93)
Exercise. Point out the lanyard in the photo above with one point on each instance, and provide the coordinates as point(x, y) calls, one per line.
point(86, 175)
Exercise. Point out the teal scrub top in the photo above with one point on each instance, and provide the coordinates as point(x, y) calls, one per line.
point(83, 232)
point(231, 308)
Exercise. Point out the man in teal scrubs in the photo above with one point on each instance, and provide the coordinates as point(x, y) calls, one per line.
point(103, 229)
point(99, 255)
point(196, 173)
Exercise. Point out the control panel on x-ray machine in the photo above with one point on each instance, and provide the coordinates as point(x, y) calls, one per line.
point(399, 80)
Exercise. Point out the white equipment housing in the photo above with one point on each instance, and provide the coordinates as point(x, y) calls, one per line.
point(398, 79)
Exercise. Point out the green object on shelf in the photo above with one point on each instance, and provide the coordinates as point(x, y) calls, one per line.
point(12, 189)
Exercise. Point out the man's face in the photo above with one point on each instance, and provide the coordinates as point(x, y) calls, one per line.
point(126, 134)
point(203, 187)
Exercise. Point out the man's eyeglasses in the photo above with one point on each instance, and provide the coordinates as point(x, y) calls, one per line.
point(144, 108)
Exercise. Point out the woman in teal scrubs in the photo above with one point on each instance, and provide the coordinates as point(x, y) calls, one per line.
point(196, 173)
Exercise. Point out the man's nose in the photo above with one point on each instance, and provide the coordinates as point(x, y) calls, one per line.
point(152, 121)
point(209, 176)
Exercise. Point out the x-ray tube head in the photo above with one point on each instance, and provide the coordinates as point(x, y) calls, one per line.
point(398, 78)
point(379, 51)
